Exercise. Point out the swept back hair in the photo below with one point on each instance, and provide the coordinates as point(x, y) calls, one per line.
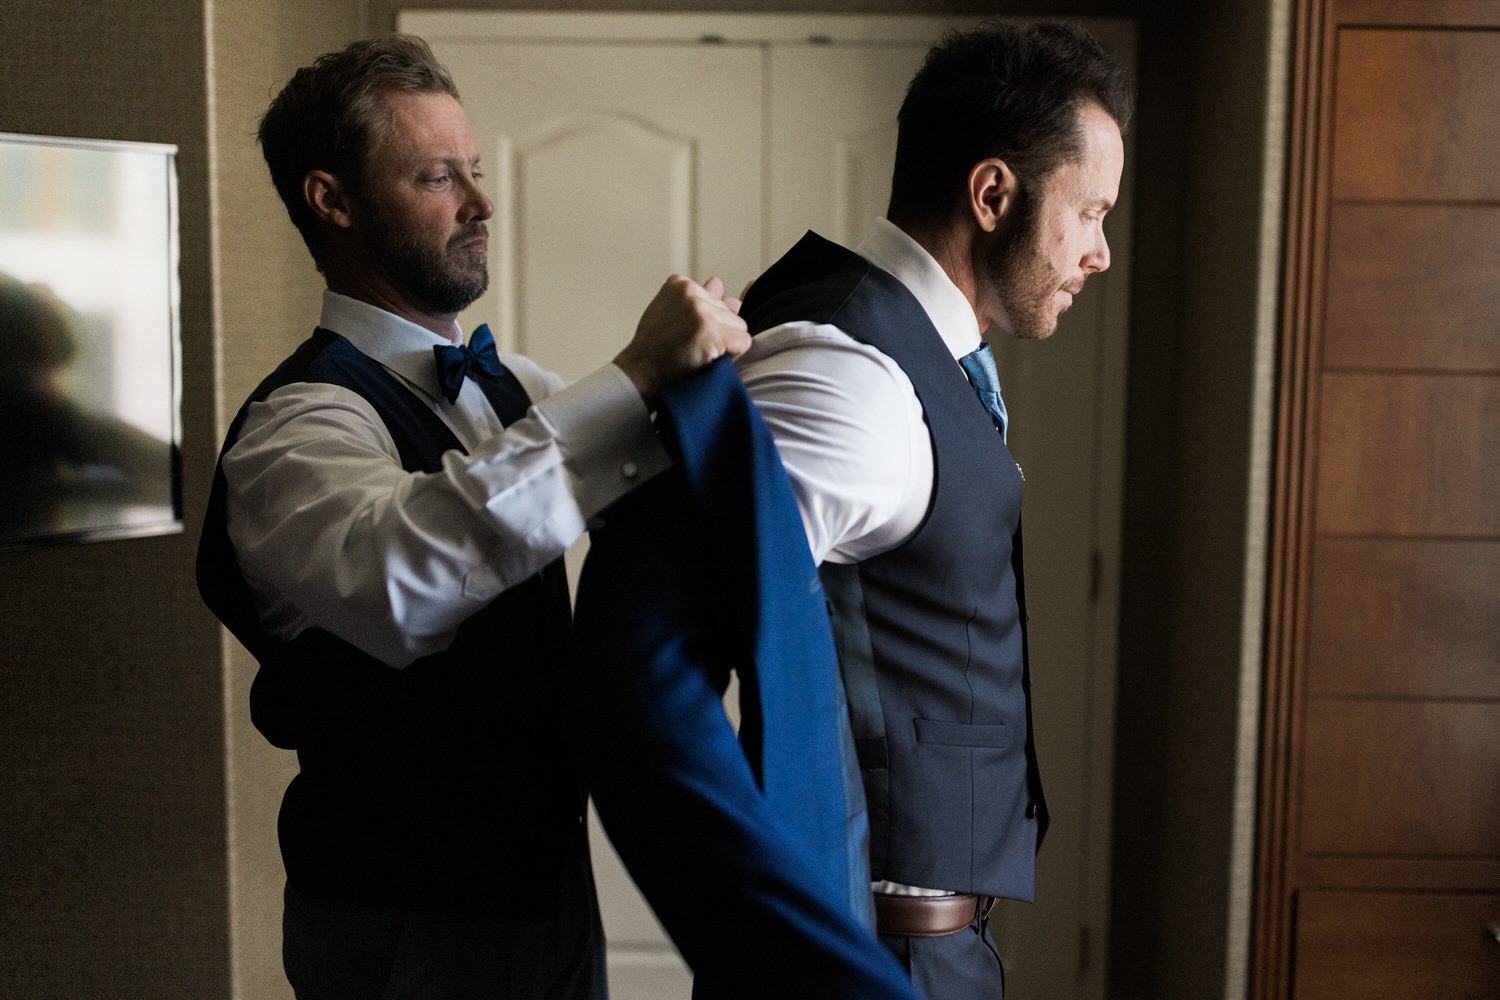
point(330, 116)
point(1006, 90)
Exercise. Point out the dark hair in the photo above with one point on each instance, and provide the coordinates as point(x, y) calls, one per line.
point(330, 115)
point(1003, 90)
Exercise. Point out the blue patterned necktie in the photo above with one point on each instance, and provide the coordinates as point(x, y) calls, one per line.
point(979, 365)
point(454, 363)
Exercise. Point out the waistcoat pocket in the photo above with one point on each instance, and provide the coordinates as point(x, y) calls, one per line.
point(962, 734)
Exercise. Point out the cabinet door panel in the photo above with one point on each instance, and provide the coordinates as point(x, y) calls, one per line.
point(1415, 115)
point(1395, 946)
point(1413, 286)
point(1401, 778)
point(1412, 617)
point(1409, 454)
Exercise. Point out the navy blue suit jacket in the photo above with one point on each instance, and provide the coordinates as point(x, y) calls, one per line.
point(745, 848)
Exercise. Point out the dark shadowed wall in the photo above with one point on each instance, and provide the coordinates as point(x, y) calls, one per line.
point(112, 830)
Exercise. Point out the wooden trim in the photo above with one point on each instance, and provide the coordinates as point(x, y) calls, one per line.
point(1417, 13)
point(1269, 974)
point(1410, 874)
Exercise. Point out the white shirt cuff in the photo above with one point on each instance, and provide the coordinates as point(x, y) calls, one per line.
point(606, 436)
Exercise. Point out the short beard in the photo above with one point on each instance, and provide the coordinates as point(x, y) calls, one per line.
point(1022, 279)
point(429, 276)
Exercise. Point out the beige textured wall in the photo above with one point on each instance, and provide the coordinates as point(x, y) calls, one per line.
point(112, 829)
point(267, 301)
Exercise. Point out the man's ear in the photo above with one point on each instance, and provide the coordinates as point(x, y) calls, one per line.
point(327, 198)
point(992, 192)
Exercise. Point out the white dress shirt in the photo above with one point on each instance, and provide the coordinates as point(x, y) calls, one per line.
point(848, 423)
point(330, 531)
point(845, 417)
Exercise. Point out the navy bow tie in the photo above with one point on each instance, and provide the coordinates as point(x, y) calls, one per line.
point(454, 363)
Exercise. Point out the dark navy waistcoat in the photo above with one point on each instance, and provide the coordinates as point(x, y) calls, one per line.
point(446, 785)
point(931, 636)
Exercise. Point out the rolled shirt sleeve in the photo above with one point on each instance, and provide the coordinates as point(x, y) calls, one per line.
point(851, 435)
point(846, 420)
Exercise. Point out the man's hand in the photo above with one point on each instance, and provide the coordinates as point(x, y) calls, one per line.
point(685, 327)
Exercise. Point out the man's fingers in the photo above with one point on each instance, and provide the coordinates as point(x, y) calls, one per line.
point(685, 327)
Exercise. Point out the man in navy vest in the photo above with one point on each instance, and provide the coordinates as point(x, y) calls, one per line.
point(868, 369)
point(384, 535)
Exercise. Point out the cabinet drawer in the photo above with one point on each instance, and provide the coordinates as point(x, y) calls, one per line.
point(1401, 779)
point(1395, 946)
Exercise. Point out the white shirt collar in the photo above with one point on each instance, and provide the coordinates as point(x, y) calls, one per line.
point(401, 345)
point(890, 249)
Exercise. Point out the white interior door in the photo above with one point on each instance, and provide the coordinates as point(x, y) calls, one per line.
point(830, 163)
point(611, 167)
point(620, 148)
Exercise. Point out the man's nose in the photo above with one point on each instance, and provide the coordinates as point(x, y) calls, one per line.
point(1097, 259)
point(477, 206)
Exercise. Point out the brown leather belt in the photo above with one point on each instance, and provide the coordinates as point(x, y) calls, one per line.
point(925, 916)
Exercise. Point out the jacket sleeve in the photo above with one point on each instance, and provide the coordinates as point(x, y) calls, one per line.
point(737, 842)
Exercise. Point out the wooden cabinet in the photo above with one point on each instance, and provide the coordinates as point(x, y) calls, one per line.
point(1379, 841)
point(1395, 946)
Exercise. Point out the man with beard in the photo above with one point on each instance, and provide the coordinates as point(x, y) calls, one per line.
point(869, 368)
point(385, 535)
